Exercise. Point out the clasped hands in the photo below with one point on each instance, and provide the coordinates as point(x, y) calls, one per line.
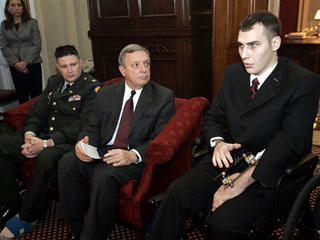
point(116, 157)
point(21, 67)
point(222, 158)
point(32, 146)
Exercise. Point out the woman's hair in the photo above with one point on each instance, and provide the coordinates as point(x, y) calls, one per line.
point(8, 23)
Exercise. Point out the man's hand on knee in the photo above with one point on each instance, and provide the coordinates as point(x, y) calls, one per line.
point(120, 157)
point(222, 154)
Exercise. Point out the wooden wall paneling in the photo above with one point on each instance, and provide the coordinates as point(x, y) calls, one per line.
point(165, 65)
point(110, 8)
point(110, 14)
point(260, 5)
point(159, 73)
point(152, 7)
point(289, 11)
point(306, 52)
point(155, 14)
point(176, 32)
point(201, 84)
point(220, 36)
point(185, 66)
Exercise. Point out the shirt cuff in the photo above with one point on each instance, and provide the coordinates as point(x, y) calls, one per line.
point(51, 142)
point(30, 132)
point(138, 155)
point(213, 141)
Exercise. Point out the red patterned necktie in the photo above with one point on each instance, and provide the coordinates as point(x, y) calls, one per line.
point(254, 87)
point(121, 140)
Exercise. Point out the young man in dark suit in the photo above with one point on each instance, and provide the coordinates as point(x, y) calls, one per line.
point(271, 116)
point(51, 129)
point(123, 152)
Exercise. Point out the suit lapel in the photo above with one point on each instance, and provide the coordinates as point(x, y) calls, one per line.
point(14, 31)
point(144, 101)
point(268, 90)
point(56, 93)
point(21, 28)
point(116, 107)
point(242, 89)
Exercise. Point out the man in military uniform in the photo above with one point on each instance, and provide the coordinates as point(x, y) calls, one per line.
point(51, 129)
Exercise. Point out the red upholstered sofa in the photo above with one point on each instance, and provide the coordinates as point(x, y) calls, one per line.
point(168, 156)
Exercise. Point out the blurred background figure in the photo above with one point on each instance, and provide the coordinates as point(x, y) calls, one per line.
point(20, 43)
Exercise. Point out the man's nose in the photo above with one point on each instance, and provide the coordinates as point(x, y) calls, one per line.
point(244, 53)
point(143, 68)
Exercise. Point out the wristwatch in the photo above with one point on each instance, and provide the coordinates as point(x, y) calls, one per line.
point(45, 143)
point(216, 142)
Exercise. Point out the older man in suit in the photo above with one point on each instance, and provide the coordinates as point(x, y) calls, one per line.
point(121, 137)
point(267, 104)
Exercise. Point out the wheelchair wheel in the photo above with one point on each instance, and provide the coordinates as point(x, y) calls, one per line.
point(301, 215)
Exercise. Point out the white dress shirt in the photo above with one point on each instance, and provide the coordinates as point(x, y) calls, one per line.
point(127, 95)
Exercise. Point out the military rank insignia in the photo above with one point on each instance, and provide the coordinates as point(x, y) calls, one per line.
point(97, 88)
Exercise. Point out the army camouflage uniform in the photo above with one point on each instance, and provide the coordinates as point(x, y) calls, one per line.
point(59, 115)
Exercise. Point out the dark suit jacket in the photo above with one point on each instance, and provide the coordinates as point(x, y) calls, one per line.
point(62, 115)
point(279, 118)
point(21, 45)
point(154, 109)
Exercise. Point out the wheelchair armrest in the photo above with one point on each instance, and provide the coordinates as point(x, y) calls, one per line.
point(309, 160)
point(198, 143)
point(156, 200)
point(198, 149)
point(291, 181)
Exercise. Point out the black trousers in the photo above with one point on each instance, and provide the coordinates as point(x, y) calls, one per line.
point(105, 183)
point(27, 85)
point(194, 191)
point(43, 179)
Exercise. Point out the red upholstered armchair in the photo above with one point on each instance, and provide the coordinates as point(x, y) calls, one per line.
point(168, 156)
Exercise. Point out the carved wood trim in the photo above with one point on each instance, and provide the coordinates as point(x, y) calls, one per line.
point(156, 48)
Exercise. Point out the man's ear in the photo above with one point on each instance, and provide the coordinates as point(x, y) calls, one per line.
point(122, 70)
point(276, 42)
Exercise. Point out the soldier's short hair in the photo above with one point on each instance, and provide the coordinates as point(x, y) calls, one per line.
point(130, 49)
point(66, 50)
point(271, 23)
